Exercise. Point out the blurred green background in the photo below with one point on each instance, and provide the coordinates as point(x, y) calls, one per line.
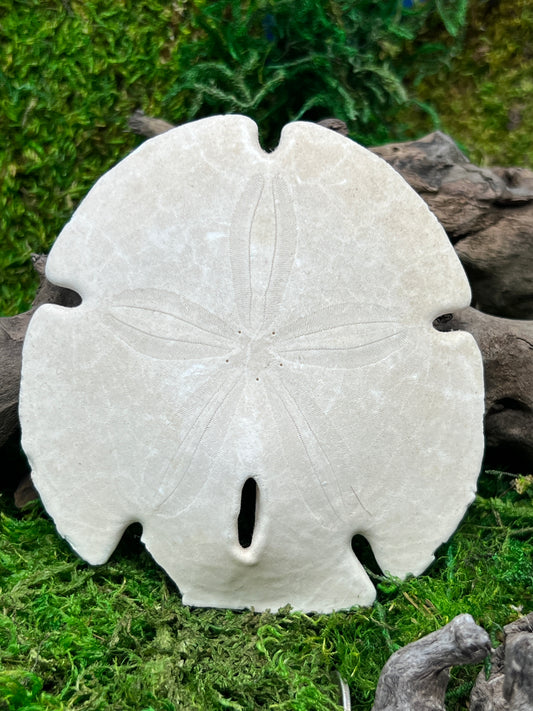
point(72, 72)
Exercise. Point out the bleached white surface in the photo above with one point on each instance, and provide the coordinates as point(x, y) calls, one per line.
point(253, 315)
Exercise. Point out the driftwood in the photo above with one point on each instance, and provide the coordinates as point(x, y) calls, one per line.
point(488, 215)
point(509, 686)
point(416, 677)
point(507, 349)
point(12, 332)
point(148, 126)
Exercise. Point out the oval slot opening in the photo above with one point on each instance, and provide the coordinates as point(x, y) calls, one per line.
point(365, 555)
point(247, 513)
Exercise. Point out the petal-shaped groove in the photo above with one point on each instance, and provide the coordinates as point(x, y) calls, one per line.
point(285, 241)
point(164, 325)
point(258, 304)
point(294, 444)
point(308, 436)
point(339, 336)
point(336, 450)
point(203, 436)
point(240, 247)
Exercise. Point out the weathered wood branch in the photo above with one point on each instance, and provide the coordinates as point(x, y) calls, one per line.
point(488, 216)
point(510, 683)
point(487, 213)
point(148, 126)
point(507, 349)
point(12, 332)
point(416, 676)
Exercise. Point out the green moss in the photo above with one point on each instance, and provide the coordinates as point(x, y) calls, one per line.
point(72, 72)
point(70, 75)
point(118, 637)
point(484, 96)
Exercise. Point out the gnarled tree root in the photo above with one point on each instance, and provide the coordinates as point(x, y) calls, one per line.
point(510, 683)
point(415, 677)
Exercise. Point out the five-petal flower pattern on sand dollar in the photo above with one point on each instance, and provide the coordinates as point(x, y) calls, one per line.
point(257, 350)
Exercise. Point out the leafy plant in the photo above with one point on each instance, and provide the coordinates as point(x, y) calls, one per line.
point(282, 61)
point(71, 72)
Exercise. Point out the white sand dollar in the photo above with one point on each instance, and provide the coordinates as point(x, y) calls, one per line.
point(255, 317)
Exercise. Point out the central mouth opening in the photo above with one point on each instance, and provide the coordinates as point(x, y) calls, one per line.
point(247, 513)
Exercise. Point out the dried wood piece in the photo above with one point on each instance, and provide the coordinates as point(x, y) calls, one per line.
point(518, 683)
point(25, 492)
point(148, 126)
point(510, 684)
point(335, 124)
point(488, 215)
point(507, 349)
point(12, 332)
point(416, 676)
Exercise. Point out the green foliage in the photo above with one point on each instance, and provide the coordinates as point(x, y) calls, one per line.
point(72, 72)
point(116, 636)
point(281, 61)
point(70, 75)
point(484, 96)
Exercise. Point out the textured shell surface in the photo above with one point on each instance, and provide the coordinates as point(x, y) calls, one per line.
point(255, 317)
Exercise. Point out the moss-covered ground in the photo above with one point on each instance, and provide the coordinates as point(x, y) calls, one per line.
point(117, 637)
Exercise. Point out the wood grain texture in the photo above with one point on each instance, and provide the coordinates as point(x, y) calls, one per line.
point(509, 686)
point(416, 677)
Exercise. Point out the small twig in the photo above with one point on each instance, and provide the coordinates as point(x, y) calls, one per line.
point(344, 693)
point(521, 531)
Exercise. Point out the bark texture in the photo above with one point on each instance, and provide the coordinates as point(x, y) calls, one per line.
point(507, 349)
point(148, 126)
point(12, 332)
point(510, 684)
point(417, 675)
point(487, 213)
